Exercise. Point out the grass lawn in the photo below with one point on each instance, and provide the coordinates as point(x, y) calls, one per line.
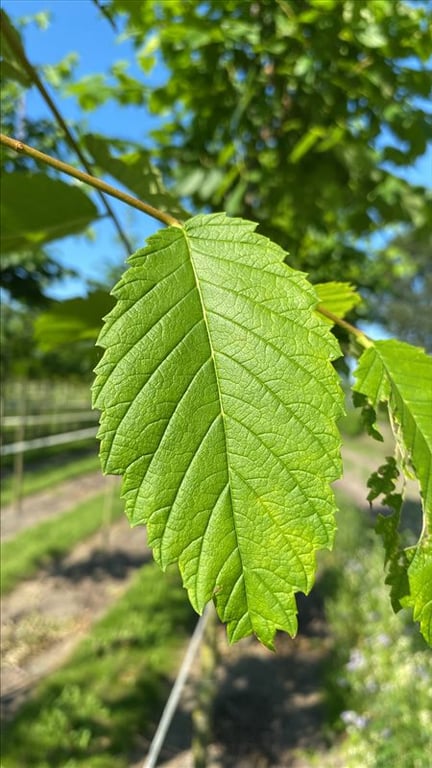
point(22, 556)
point(91, 712)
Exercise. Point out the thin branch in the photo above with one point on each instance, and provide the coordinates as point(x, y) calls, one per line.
point(19, 52)
point(155, 213)
point(105, 12)
point(92, 181)
point(361, 337)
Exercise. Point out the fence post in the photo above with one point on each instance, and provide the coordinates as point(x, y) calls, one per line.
point(19, 456)
point(206, 687)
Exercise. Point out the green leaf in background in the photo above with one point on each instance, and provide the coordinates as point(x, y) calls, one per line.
point(396, 562)
point(134, 170)
point(306, 143)
point(76, 319)
point(27, 274)
point(36, 209)
point(11, 66)
point(420, 582)
point(383, 483)
point(219, 404)
point(401, 375)
point(338, 298)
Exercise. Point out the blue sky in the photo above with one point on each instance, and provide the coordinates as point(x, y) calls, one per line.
point(76, 25)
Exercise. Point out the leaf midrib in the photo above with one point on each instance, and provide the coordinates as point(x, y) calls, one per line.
point(213, 358)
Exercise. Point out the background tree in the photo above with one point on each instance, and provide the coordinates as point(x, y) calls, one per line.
point(37, 208)
point(404, 306)
point(299, 115)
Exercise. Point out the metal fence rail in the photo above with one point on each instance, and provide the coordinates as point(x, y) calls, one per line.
point(44, 442)
point(48, 418)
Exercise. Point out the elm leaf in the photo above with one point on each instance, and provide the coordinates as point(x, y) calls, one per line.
point(339, 298)
point(400, 375)
point(219, 406)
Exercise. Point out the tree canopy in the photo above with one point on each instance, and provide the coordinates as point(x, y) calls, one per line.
point(299, 115)
point(302, 116)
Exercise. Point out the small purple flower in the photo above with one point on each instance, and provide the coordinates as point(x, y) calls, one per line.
point(356, 661)
point(383, 639)
point(371, 686)
point(349, 717)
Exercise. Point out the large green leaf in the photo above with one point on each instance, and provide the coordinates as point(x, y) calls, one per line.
point(401, 375)
point(36, 209)
point(218, 405)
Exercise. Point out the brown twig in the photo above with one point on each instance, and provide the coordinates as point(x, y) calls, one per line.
point(361, 337)
point(92, 181)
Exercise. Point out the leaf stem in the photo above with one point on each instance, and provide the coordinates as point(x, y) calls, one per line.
point(14, 44)
point(361, 337)
point(92, 181)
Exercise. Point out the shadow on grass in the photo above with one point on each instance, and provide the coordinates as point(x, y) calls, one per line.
point(100, 564)
point(267, 706)
point(270, 704)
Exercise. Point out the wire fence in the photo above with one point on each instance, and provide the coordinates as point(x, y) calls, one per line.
point(63, 438)
point(38, 415)
point(41, 419)
point(176, 691)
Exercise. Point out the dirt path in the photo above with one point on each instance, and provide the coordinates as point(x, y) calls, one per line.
point(44, 618)
point(47, 504)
